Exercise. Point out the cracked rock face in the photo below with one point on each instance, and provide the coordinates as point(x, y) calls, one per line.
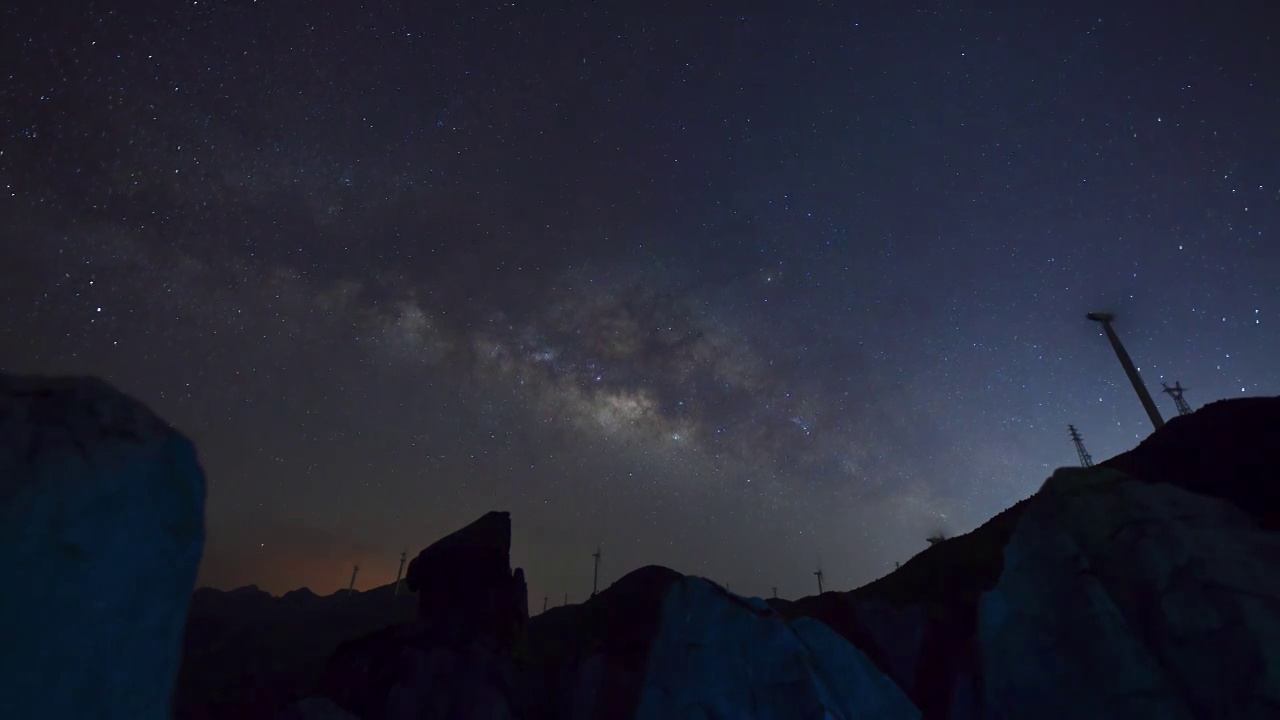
point(719, 655)
point(101, 532)
point(1123, 599)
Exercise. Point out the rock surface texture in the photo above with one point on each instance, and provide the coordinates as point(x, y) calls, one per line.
point(721, 656)
point(1127, 599)
point(101, 532)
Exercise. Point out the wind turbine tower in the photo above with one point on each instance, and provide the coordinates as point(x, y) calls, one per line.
point(595, 575)
point(400, 572)
point(1126, 362)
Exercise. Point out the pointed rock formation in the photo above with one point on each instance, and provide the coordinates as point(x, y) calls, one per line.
point(457, 659)
point(464, 580)
point(101, 532)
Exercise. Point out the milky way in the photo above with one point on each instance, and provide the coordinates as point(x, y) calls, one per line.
point(745, 294)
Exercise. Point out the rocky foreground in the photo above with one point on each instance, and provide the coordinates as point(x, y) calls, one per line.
point(1147, 587)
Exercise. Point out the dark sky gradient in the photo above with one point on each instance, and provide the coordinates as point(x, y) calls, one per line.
point(737, 288)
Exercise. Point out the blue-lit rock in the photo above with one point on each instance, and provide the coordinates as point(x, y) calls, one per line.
point(101, 532)
point(720, 655)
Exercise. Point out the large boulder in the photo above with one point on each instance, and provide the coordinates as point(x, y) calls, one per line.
point(591, 660)
point(1128, 599)
point(917, 623)
point(464, 581)
point(457, 660)
point(101, 532)
point(657, 644)
point(719, 655)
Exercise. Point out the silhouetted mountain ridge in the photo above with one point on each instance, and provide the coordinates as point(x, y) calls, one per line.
point(916, 624)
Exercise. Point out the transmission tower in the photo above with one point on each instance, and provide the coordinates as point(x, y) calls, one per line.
point(1175, 392)
point(595, 575)
point(1086, 460)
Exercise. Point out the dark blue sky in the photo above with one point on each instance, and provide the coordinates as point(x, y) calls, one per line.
point(736, 288)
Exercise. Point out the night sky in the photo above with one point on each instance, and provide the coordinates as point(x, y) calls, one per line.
point(743, 289)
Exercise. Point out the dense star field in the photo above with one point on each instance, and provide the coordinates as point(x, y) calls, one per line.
point(743, 289)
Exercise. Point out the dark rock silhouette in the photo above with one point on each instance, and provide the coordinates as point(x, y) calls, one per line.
point(248, 654)
point(102, 519)
point(654, 645)
point(1228, 450)
point(316, 708)
point(423, 669)
point(590, 659)
point(457, 658)
point(1144, 587)
point(465, 580)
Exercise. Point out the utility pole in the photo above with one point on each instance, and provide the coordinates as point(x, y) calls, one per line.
point(400, 572)
point(566, 598)
point(1086, 460)
point(544, 603)
point(1127, 363)
point(1175, 392)
point(819, 574)
point(897, 565)
point(595, 575)
point(352, 587)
